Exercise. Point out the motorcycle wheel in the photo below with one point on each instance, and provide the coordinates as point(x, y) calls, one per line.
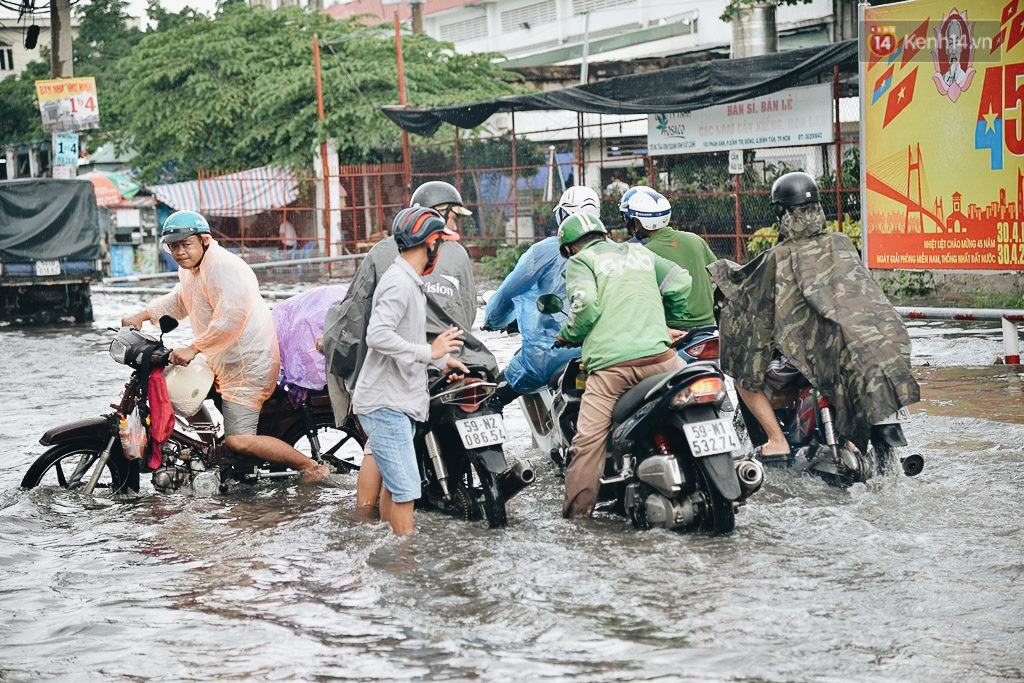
point(461, 504)
point(70, 466)
point(720, 515)
point(494, 501)
point(342, 448)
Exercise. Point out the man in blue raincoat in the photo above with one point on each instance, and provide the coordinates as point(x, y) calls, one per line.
point(540, 270)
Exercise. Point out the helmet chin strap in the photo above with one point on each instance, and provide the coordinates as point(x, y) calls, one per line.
point(206, 247)
point(432, 257)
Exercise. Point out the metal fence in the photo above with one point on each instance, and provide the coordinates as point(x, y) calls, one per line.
point(511, 187)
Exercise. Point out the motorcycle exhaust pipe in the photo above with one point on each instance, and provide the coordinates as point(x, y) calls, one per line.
point(516, 478)
point(912, 465)
point(751, 476)
point(434, 451)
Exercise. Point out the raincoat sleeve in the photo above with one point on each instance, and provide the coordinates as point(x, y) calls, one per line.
point(346, 321)
point(171, 304)
point(584, 307)
point(500, 310)
point(675, 284)
point(381, 335)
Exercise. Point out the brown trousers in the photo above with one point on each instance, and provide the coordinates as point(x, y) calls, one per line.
point(604, 387)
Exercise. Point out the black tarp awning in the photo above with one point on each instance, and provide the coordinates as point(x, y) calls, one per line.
point(676, 89)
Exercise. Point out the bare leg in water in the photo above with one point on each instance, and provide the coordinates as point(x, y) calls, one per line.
point(761, 408)
point(368, 490)
point(273, 450)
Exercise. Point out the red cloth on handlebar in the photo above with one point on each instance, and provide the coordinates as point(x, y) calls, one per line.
point(161, 415)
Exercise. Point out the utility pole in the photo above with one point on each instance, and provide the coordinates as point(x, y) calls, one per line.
point(60, 36)
point(402, 99)
point(324, 164)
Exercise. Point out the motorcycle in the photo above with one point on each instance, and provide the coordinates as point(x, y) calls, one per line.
point(463, 468)
point(807, 419)
point(673, 455)
point(89, 455)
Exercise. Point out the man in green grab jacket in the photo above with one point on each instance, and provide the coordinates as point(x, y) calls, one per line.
point(619, 298)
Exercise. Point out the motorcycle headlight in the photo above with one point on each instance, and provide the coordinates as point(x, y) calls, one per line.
point(129, 345)
point(119, 351)
point(704, 390)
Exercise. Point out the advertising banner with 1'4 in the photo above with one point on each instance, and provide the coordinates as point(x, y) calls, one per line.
point(943, 93)
point(68, 104)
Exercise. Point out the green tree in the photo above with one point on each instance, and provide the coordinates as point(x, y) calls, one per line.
point(162, 20)
point(238, 91)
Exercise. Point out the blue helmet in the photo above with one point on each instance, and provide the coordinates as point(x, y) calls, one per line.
point(181, 225)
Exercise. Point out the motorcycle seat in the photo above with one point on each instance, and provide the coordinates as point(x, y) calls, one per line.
point(637, 395)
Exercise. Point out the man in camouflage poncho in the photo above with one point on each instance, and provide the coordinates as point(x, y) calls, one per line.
point(811, 299)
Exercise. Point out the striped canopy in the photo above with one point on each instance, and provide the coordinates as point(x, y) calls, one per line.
point(237, 194)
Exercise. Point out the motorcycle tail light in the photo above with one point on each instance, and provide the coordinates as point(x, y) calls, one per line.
point(704, 390)
point(705, 350)
point(468, 395)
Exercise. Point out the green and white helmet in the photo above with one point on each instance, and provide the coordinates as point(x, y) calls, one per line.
point(576, 227)
point(181, 225)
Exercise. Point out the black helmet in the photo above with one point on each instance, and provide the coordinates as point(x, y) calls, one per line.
point(793, 189)
point(412, 227)
point(439, 193)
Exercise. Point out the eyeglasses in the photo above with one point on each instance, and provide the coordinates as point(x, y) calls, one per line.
point(183, 245)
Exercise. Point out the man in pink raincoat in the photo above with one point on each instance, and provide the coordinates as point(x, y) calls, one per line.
point(219, 294)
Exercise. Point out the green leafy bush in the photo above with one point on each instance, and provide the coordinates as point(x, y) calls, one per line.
point(503, 261)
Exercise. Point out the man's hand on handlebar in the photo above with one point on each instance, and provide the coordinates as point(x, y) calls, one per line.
point(135, 321)
point(183, 356)
point(563, 343)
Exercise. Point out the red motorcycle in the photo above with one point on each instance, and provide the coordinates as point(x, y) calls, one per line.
point(89, 455)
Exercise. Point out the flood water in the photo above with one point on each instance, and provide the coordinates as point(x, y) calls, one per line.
point(900, 580)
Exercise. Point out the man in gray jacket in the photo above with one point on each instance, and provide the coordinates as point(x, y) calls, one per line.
point(391, 395)
point(451, 300)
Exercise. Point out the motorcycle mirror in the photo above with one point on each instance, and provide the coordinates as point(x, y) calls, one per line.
point(549, 304)
point(167, 324)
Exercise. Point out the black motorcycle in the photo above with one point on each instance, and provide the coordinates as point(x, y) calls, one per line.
point(463, 467)
point(89, 455)
point(673, 455)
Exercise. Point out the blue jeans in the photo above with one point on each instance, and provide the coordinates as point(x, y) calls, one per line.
point(391, 433)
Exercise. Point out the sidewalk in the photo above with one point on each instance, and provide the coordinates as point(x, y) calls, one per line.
point(989, 392)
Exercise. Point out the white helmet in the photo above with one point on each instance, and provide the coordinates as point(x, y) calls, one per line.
point(647, 205)
point(577, 199)
point(188, 385)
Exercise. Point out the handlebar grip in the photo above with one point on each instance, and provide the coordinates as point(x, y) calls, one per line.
point(562, 344)
point(160, 357)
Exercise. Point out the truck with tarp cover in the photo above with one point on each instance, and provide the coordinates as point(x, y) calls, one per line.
point(50, 249)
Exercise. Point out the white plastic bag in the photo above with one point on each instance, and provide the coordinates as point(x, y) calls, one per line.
point(133, 435)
